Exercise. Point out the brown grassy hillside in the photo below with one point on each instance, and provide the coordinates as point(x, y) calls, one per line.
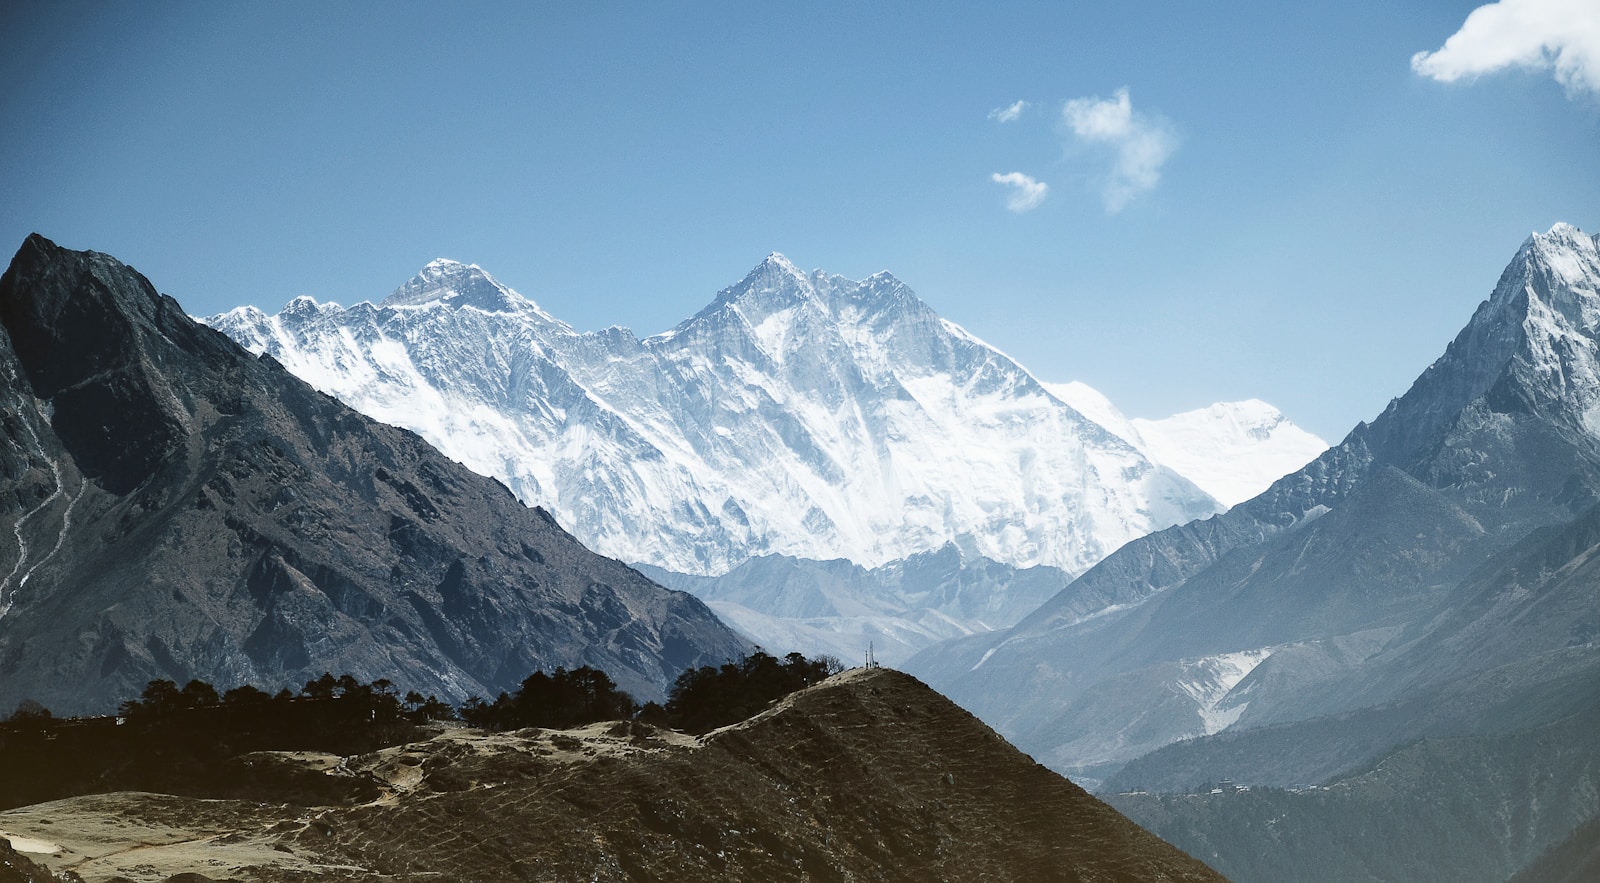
point(868, 776)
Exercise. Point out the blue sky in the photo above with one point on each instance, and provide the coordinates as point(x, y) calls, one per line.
point(1195, 202)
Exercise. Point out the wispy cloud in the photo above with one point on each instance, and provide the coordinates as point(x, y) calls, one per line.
point(1558, 35)
point(1009, 113)
point(1026, 191)
point(1140, 144)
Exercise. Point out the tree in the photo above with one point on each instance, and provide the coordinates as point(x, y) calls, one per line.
point(198, 694)
point(245, 695)
point(558, 701)
point(705, 698)
point(30, 713)
point(160, 697)
point(321, 688)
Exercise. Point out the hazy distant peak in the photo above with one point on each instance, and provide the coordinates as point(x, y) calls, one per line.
point(1231, 450)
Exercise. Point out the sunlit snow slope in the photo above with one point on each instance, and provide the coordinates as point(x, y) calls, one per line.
point(1232, 450)
point(799, 413)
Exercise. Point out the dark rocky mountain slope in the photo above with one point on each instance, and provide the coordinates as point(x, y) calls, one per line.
point(173, 507)
point(868, 776)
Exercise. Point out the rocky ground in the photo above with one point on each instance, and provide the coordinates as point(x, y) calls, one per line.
point(868, 776)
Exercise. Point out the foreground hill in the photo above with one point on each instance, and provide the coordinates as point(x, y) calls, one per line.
point(867, 776)
point(173, 507)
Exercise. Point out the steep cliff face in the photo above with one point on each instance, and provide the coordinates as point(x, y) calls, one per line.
point(175, 507)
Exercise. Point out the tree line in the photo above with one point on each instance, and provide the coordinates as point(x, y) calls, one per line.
point(187, 739)
point(701, 699)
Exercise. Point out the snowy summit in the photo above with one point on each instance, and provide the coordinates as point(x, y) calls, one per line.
point(802, 414)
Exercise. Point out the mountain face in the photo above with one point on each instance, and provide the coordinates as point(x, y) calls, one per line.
point(801, 415)
point(173, 507)
point(843, 609)
point(1445, 543)
point(1469, 809)
point(867, 776)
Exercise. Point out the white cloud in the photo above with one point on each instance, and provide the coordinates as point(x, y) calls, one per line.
point(1009, 113)
point(1026, 193)
point(1140, 144)
point(1559, 35)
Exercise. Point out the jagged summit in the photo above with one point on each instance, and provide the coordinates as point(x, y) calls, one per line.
point(458, 285)
point(1533, 341)
point(777, 262)
point(771, 285)
point(802, 414)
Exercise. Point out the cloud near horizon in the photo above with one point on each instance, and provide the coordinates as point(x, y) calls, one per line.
point(1026, 193)
point(1558, 35)
point(1008, 113)
point(1140, 144)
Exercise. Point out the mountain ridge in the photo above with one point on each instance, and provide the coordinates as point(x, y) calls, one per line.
point(182, 509)
point(743, 430)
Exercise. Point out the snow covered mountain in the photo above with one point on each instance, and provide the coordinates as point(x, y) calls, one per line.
point(1231, 450)
point(799, 414)
point(1423, 577)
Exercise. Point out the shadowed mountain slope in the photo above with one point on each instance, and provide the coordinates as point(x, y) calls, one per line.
point(1465, 809)
point(173, 507)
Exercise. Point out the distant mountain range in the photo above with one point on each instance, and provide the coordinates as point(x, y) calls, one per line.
point(1431, 576)
point(901, 480)
point(174, 507)
point(848, 611)
point(799, 414)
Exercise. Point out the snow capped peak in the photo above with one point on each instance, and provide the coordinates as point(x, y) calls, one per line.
point(771, 286)
point(883, 284)
point(776, 261)
point(1091, 403)
point(306, 305)
point(774, 273)
point(1557, 273)
point(1230, 450)
point(1565, 234)
point(458, 285)
point(799, 414)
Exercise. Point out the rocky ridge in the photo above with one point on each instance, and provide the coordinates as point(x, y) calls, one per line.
point(174, 507)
